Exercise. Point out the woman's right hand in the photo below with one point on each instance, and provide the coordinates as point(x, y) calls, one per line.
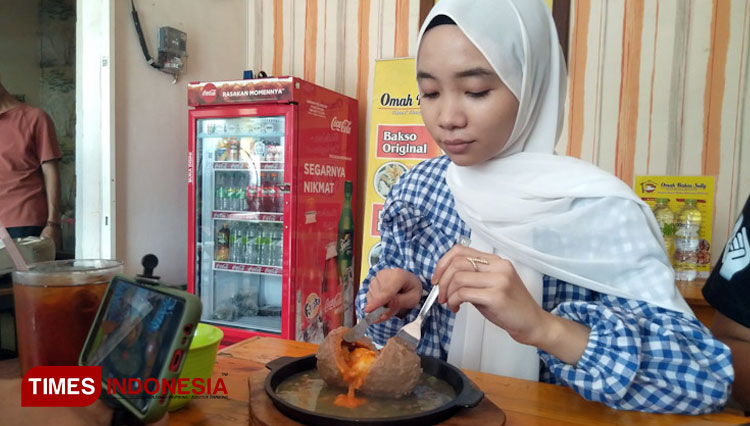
point(397, 288)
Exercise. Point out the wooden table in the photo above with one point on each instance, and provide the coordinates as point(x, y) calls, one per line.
point(524, 402)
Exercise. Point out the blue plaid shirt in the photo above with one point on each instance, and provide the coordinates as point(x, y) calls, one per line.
point(638, 357)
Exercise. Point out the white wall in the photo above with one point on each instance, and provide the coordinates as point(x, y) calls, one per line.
point(151, 123)
point(19, 48)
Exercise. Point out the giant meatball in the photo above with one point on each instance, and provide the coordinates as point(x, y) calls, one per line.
point(391, 372)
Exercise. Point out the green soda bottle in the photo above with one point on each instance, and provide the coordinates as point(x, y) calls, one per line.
point(345, 256)
point(686, 241)
point(665, 217)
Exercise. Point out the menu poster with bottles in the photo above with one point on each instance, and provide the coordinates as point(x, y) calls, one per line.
point(323, 279)
point(677, 189)
point(398, 141)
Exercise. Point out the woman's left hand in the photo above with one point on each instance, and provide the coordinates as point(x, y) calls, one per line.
point(494, 287)
point(54, 233)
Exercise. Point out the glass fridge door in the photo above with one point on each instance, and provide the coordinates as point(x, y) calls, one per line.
point(239, 219)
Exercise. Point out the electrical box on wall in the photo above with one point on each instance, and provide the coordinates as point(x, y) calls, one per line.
point(172, 50)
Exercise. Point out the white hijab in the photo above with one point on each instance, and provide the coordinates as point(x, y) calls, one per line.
point(551, 215)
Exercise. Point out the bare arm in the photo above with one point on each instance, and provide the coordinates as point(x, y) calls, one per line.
point(737, 337)
point(52, 187)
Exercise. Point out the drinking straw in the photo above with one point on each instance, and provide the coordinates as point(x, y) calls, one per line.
point(12, 250)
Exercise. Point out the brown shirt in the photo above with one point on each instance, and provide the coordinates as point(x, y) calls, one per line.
point(27, 139)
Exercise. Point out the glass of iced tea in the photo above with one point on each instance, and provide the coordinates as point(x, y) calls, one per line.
point(55, 304)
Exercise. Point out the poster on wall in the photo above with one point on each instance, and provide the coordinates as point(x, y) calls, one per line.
point(676, 190)
point(398, 141)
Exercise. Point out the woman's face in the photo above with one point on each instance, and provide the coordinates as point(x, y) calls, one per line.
point(467, 109)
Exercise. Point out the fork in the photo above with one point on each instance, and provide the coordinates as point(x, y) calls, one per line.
point(411, 333)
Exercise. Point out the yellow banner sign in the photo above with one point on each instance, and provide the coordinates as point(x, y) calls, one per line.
point(398, 141)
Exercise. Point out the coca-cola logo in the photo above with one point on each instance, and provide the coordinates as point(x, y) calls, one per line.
point(208, 94)
point(342, 126)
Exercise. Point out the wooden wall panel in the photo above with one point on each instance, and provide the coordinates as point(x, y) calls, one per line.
point(659, 87)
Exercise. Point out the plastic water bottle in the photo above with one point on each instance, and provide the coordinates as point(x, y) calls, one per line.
point(238, 196)
point(263, 246)
point(236, 244)
point(277, 245)
point(686, 241)
point(228, 193)
point(219, 192)
point(226, 201)
point(250, 241)
point(665, 217)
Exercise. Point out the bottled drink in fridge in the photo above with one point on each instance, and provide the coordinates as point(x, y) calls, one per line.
point(262, 192)
point(258, 197)
point(237, 244)
point(344, 253)
point(231, 191)
point(277, 203)
point(259, 150)
point(686, 241)
point(238, 201)
point(219, 192)
point(277, 245)
point(250, 243)
point(222, 244)
point(234, 149)
point(271, 152)
point(262, 248)
point(221, 150)
point(665, 217)
point(228, 192)
point(269, 192)
point(251, 193)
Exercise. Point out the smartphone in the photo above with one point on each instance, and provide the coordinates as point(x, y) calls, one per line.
point(140, 337)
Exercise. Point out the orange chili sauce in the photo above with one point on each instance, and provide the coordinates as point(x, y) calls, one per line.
point(354, 364)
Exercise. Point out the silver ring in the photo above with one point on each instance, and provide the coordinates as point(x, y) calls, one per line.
point(475, 260)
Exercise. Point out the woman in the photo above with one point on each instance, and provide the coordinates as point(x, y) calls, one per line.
point(566, 264)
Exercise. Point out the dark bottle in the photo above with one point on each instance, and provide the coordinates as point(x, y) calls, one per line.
point(222, 244)
point(278, 197)
point(252, 193)
point(264, 193)
point(344, 254)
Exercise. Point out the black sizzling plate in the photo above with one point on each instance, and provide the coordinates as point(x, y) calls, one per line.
point(467, 395)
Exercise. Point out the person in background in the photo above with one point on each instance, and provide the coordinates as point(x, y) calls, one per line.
point(29, 175)
point(565, 278)
point(728, 290)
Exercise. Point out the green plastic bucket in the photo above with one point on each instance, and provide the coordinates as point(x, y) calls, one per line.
point(199, 362)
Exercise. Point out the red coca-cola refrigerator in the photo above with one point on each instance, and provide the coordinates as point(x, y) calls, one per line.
point(272, 168)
